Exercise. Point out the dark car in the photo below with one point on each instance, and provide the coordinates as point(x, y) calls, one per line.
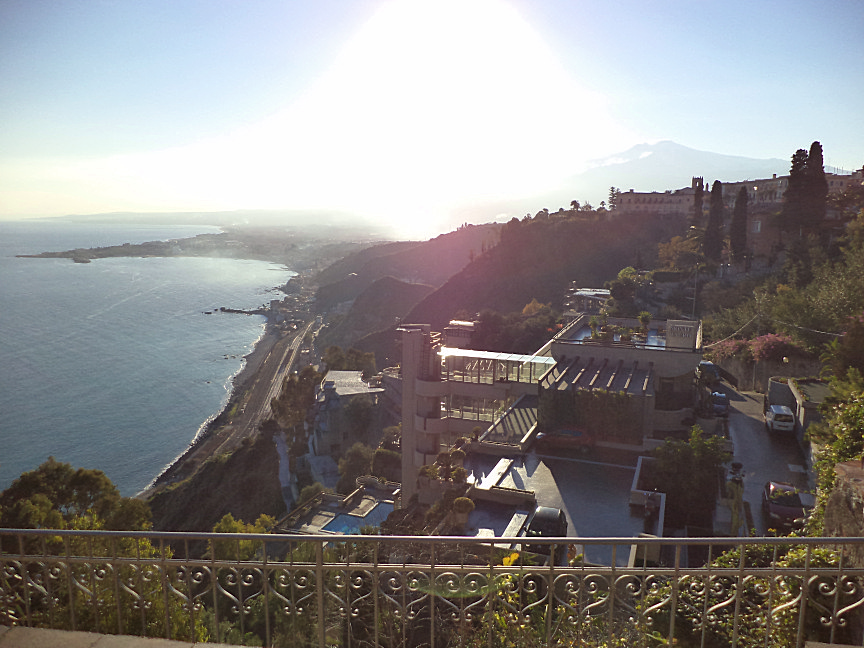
point(708, 373)
point(720, 404)
point(564, 439)
point(547, 522)
point(782, 506)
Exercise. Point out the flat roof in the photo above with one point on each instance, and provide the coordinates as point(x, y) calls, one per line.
point(349, 383)
point(494, 355)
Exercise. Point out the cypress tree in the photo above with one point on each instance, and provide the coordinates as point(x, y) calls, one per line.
point(738, 227)
point(713, 242)
point(698, 197)
point(816, 186)
point(794, 214)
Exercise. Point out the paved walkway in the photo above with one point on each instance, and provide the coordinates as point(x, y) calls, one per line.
point(42, 638)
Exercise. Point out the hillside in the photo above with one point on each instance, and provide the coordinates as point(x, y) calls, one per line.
point(244, 483)
point(376, 308)
point(535, 259)
point(539, 258)
point(430, 262)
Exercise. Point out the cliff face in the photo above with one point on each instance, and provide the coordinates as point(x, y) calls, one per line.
point(244, 483)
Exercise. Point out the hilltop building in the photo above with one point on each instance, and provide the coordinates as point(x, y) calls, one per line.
point(765, 197)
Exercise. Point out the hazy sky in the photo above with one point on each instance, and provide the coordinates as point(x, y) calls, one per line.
point(400, 108)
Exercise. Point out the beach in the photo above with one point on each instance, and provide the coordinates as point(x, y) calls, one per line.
point(241, 415)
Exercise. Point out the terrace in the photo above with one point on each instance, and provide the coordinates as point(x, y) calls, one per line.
point(429, 591)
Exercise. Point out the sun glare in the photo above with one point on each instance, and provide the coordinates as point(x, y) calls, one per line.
point(431, 104)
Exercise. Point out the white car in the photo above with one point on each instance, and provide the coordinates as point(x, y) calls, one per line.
point(779, 418)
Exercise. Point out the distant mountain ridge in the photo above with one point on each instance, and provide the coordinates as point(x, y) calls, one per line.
point(645, 167)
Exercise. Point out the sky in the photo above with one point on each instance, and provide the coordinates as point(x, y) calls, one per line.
point(400, 110)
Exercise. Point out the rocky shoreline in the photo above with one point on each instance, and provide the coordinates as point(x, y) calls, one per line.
point(197, 452)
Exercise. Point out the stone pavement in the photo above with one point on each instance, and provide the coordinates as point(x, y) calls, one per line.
point(43, 638)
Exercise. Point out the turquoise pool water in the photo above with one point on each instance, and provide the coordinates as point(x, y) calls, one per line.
point(351, 524)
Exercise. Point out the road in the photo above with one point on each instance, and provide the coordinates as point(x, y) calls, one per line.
point(765, 456)
point(267, 386)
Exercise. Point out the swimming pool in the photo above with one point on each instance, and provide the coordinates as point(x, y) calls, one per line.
point(348, 524)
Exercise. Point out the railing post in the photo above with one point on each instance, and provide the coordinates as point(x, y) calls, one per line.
point(163, 570)
point(739, 585)
point(25, 578)
point(676, 580)
point(115, 570)
point(319, 589)
point(265, 575)
point(375, 593)
point(805, 593)
point(69, 579)
point(610, 630)
point(550, 603)
point(432, 596)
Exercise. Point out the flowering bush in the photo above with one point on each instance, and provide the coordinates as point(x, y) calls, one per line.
point(772, 347)
point(765, 347)
point(729, 349)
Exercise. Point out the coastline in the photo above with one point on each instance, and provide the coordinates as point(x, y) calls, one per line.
point(241, 382)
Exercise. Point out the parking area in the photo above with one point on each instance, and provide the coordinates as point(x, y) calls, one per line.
point(594, 496)
point(593, 488)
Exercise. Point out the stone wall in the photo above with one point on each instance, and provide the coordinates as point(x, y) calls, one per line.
point(754, 376)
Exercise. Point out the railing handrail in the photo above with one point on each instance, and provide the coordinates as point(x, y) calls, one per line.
point(328, 538)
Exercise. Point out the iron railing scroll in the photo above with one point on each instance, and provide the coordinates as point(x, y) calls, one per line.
point(388, 591)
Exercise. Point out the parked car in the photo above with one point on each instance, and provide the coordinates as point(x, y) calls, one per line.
point(779, 418)
point(567, 438)
point(782, 507)
point(547, 522)
point(720, 404)
point(708, 373)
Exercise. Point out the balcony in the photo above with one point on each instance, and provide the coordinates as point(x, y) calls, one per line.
point(327, 590)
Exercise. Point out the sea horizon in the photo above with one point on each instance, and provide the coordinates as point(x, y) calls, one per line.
point(115, 364)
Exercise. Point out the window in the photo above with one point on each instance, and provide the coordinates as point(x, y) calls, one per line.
point(757, 226)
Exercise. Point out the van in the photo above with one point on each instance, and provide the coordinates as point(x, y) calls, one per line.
point(779, 418)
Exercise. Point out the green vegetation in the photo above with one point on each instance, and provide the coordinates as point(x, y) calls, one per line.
point(351, 360)
point(56, 496)
point(524, 331)
point(356, 463)
point(689, 472)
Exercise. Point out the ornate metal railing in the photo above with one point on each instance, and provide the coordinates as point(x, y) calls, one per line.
point(280, 590)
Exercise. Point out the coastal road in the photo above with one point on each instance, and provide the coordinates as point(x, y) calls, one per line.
point(266, 385)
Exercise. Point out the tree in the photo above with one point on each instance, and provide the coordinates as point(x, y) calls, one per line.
point(815, 186)
point(793, 214)
point(311, 491)
point(57, 496)
point(532, 308)
point(713, 241)
point(679, 253)
point(688, 472)
point(698, 198)
point(614, 195)
point(738, 227)
point(574, 205)
point(847, 352)
point(351, 360)
point(240, 549)
point(356, 462)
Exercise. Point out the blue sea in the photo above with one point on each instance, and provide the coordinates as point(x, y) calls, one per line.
point(114, 364)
